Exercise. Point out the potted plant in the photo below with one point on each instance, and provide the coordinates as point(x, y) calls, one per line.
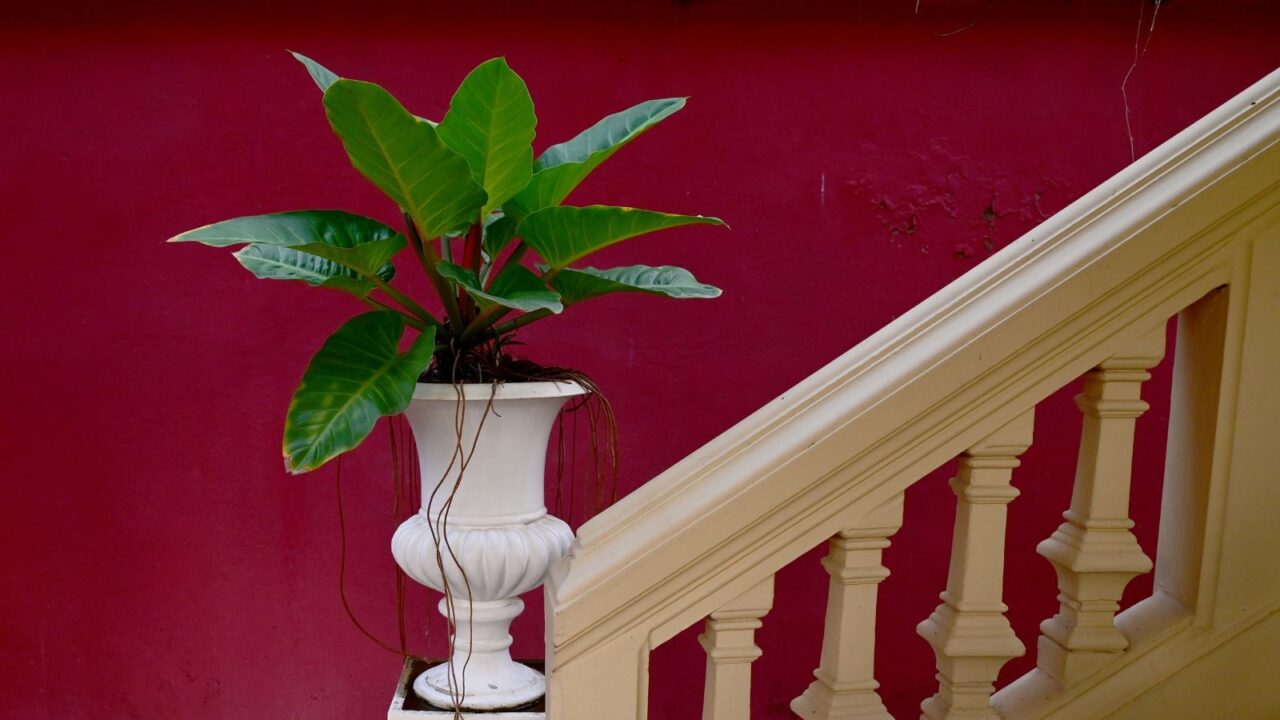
point(476, 207)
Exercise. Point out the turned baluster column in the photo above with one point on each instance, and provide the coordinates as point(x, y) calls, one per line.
point(729, 640)
point(1094, 552)
point(845, 685)
point(970, 635)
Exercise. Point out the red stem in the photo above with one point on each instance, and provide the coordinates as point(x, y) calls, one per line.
point(470, 259)
point(471, 253)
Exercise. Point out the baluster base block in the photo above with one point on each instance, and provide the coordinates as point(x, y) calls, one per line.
point(1070, 667)
point(826, 699)
point(935, 709)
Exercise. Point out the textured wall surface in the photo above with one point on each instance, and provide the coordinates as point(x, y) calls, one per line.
point(155, 559)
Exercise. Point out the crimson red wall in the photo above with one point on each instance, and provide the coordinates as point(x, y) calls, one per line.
point(155, 560)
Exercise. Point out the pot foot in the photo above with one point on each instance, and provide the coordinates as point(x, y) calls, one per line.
point(508, 686)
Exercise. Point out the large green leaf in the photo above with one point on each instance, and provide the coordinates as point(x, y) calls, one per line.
point(358, 376)
point(404, 156)
point(578, 284)
point(323, 76)
point(562, 235)
point(300, 227)
point(273, 262)
point(515, 287)
point(367, 259)
point(491, 123)
point(562, 167)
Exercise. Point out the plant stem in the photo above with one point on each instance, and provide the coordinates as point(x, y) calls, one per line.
point(427, 257)
point(471, 255)
point(409, 320)
point(517, 253)
point(470, 260)
point(404, 300)
point(493, 269)
point(521, 321)
point(487, 317)
point(494, 314)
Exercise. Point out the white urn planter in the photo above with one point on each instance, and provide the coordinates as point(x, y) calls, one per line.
point(498, 529)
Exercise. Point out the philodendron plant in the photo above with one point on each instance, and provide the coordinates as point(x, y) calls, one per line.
point(475, 204)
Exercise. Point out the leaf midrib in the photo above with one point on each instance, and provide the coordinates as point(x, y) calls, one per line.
point(358, 394)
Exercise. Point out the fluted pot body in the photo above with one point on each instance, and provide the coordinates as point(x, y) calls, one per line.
point(482, 453)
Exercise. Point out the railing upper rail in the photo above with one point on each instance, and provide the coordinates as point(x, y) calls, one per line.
point(969, 359)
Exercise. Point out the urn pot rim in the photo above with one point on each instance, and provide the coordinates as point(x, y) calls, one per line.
point(504, 391)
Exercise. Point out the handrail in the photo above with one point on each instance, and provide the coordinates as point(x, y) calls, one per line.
point(984, 349)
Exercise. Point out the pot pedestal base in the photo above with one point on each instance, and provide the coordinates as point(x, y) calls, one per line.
point(406, 705)
point(512, 686)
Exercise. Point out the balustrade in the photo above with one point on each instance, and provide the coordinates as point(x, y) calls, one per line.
point(1191, 218)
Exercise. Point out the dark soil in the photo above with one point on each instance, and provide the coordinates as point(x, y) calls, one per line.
point(480, 365)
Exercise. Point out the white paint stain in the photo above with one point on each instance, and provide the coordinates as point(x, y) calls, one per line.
point(822, 188)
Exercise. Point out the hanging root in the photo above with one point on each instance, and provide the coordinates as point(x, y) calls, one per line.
point(440, 538)
point(602, 436)
point(398, 501)
point(342, 578)
point(603, 477)
point(491, 362)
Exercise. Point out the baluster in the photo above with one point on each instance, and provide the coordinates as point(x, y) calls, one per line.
point(729, 640)
point(1093, 552)
point(845, 685)
point(970, 635)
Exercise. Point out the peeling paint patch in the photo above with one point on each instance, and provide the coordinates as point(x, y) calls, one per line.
point(939, 194)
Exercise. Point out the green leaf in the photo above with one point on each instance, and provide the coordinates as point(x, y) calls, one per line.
point(307, 245)
point(358, 376)
point(367, 259)
point(578, 284)
point(272, 262)
point(323, 76)
point(404, 156)
point(300, 227)
point(610, 133)
point(562, 235)
point(458, 274)
point(562, 167)
point(491, 123)
point(515, 287)
point(498, 233)
point(354, 285)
